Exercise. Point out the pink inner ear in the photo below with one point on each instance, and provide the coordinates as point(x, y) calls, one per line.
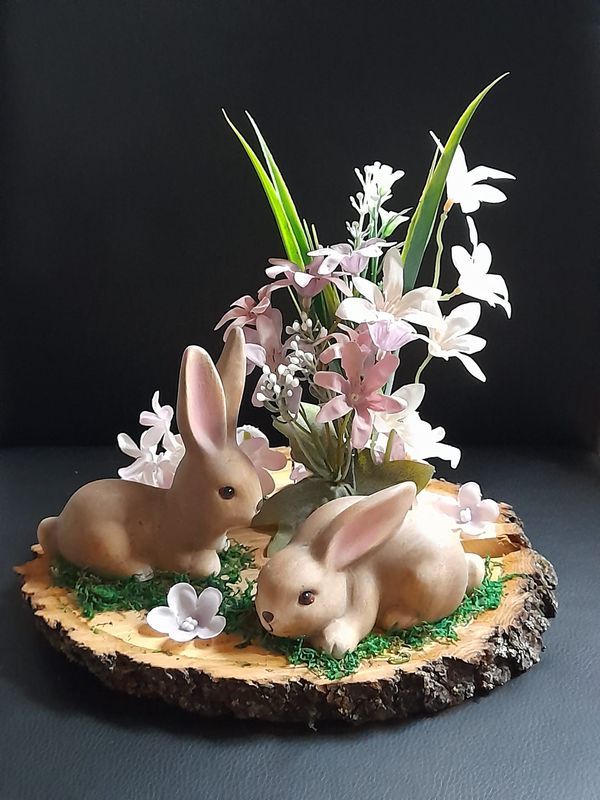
point(203, 404)
point(368, 523)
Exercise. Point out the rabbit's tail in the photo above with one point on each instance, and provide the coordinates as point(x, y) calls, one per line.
point(46, 537)
point(476, 571)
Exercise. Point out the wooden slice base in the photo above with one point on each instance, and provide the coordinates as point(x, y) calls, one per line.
point(216, 677)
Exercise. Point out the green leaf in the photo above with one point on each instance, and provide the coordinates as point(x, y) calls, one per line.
point(285, 197)
point(285, 510)
point(370, 477)
point(423, 220)
point(286, 231)
point(309, 447)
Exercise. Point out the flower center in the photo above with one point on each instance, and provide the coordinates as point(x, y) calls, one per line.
point(354, 398)
point(464, 515)
point(188, 624)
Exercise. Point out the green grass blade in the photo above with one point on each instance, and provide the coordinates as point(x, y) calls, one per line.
point(423, 220)
point(288, 237)
point(283, 192)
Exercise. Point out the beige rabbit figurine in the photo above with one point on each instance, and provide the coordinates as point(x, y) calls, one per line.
point(119, 528)
point(357, 562)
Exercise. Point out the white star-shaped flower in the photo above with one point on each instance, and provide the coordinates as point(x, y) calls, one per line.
point(475, 280)
point(464, 185)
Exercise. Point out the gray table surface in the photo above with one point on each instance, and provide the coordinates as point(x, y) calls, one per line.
point(63, 735)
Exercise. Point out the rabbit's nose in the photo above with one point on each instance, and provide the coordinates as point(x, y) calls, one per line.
point(259, 505)
point(267, 616)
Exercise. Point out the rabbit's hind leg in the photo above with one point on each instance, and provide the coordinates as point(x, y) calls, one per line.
point(476, 571)
point(399, 619)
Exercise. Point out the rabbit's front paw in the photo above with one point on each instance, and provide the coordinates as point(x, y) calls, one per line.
point(338, 638)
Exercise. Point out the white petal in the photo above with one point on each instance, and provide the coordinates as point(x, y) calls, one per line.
point(214, 628)
point(482, 257)
point(472, 232)
point(471, 366)
point(182, 599)
point(162, 619)
point(369, 290)
point(183, 636)
point(488, 194)
point(355, 309)
point(151, 437)
point(469, 494)
point(128, 446)
point(155, 403)
point(461, 258)
point(207, 605)
point(483, 173)
point(412, 394)
point(393, 275)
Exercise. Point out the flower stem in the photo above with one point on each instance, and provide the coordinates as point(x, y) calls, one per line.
point(440, 246)
point(422, 367)
point(390, 443)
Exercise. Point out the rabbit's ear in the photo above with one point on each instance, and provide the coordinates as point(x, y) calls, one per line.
point(232, 369)
point(366, 524)
point(201, 414)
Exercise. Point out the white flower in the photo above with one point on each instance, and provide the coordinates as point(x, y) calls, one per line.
point(470, 513)
point(188, 616)
point(377, 182)
point(463, 185)
point(413, 437)
point(151, 466)
point(387, 312)
point(255, 445)
point(450, 337)
point(391, 219)
point(474, 279)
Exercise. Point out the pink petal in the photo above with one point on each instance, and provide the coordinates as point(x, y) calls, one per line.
point(362, 425)
point(352, 361)
point(469, 495)
point(389, 335)
point(332, 381)
point(385, 403)
point(378, 374)
point(267, 484)
point(487, 511)
point(333, 409)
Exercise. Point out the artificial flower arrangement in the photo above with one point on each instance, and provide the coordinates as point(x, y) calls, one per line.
point(361, 573)
point(333, 377)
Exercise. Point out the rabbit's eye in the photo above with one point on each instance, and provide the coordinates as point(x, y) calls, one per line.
point(306, 598)
point(227, 492)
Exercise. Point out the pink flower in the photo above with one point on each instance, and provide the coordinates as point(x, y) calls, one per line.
point(245, 311)
point(358, 391)
point(307, 282)
point(264, 345)
point(346, 334)
point(255, 445)
point(344, 257)
point(470, 513)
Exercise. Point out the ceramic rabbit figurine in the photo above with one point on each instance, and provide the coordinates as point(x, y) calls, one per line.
point(119, 528)
point(357, 562)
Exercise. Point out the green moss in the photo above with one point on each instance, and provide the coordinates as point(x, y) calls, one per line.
point(95, 595)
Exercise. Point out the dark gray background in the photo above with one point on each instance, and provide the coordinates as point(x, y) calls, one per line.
point(131, 218)
point(63, 736)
